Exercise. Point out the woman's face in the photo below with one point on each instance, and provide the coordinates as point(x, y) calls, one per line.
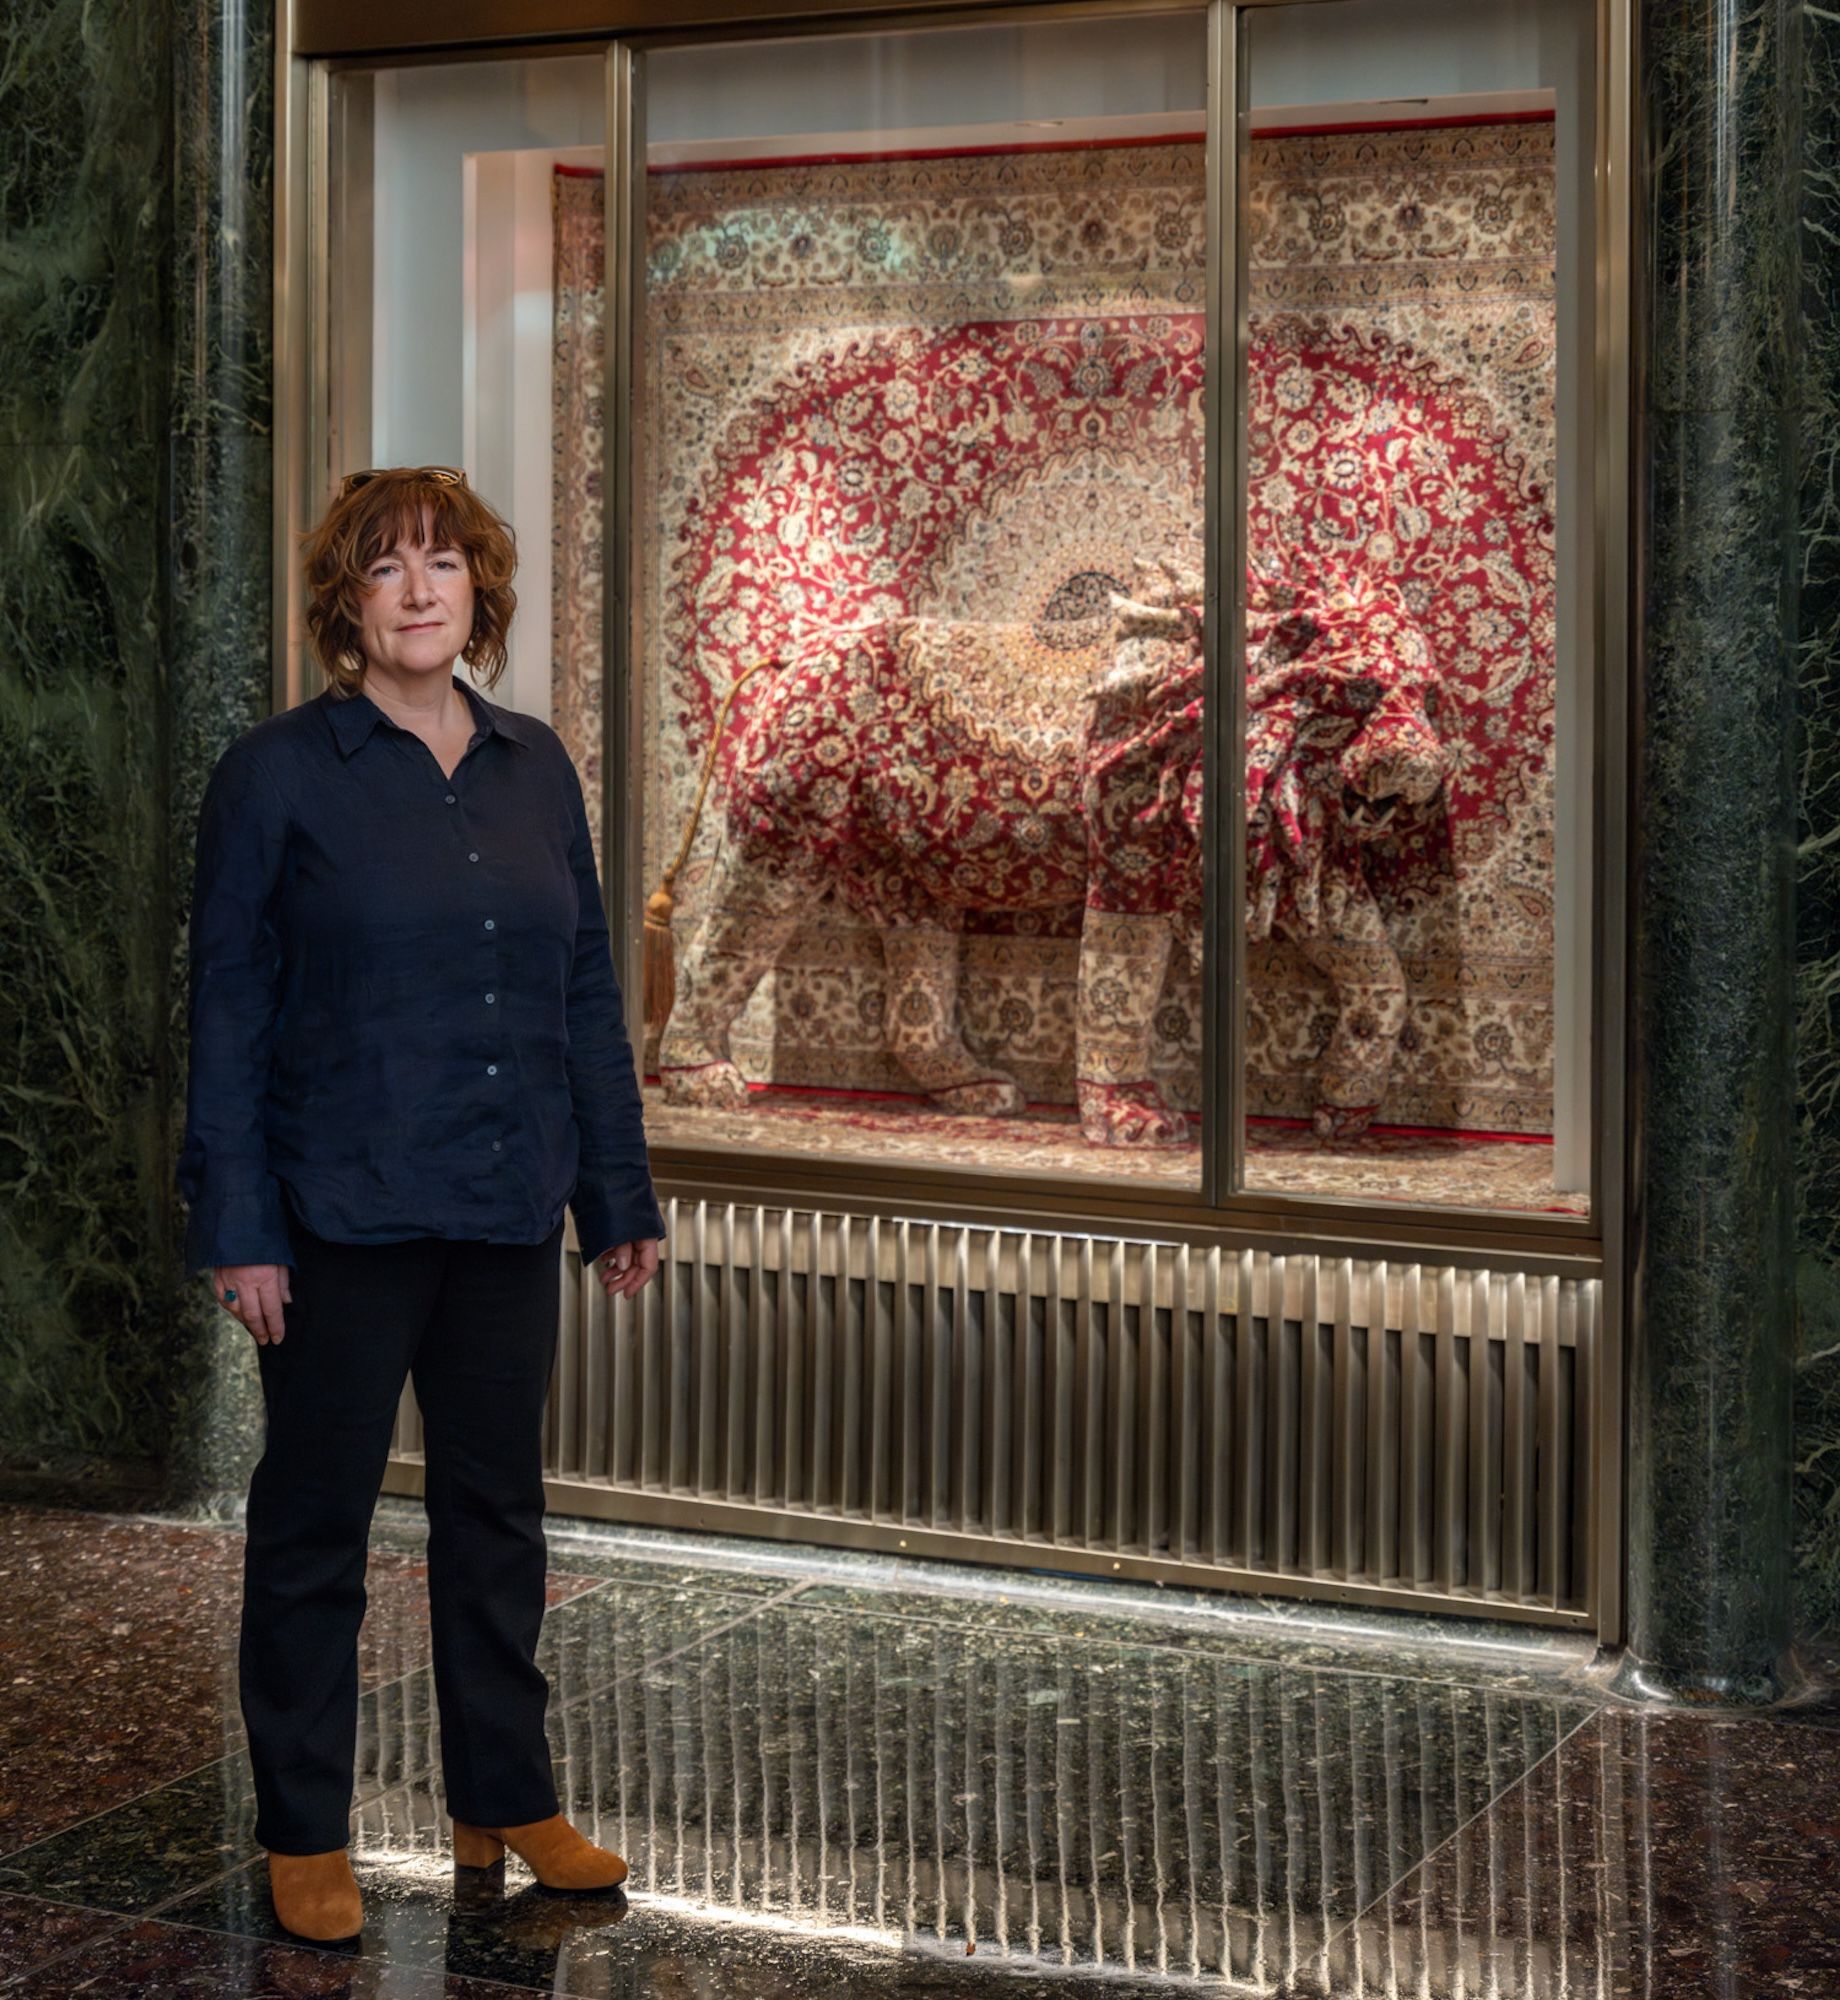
point(417, 607)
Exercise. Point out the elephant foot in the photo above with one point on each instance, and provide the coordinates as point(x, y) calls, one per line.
point(1342, 1121)
point(1129, 1114)
point(710, 1086)
point(987, 1097)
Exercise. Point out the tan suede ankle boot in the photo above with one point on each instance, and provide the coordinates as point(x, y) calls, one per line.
point(316, 1895)
point(558, 1856)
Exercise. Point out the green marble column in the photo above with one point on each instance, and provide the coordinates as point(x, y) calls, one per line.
point(85, 153)
point(134, 585)
point(1817, 1401)
point(220, 615)
point(1711, 1328)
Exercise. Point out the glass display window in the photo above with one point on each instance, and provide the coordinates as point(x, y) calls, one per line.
point(1415, 1018)
point(922, 452)
point(1106, 683)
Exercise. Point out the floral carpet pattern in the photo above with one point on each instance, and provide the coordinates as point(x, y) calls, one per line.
point(971, 387)
point(1403, 354)
point(577, 583)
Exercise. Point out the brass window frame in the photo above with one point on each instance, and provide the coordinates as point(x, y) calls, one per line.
point(324, 36)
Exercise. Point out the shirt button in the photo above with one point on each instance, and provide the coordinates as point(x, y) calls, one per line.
point(495, 1146)
point(490, 925)
point(491, 1069)
point(472, 857)
point(450, 798)
point(490, 998)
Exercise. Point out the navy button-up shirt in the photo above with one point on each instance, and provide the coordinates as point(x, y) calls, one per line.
point(403, 1003)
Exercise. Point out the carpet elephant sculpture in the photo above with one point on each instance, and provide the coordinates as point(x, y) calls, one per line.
point(924, 769)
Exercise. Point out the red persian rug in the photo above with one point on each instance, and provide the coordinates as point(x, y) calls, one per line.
point(1403, 354)
point(972, 387)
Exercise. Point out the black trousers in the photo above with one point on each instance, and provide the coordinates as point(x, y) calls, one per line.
point(475, 1323)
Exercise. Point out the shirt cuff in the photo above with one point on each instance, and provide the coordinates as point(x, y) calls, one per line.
point(610, 1212)
point(238, 1229)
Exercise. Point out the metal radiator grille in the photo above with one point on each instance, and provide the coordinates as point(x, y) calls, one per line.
point(1395, 1431)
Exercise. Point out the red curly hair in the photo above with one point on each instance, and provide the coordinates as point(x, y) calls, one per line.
point(376, 517)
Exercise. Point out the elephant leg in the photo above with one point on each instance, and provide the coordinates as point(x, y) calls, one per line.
point(922, 1023)
point(1354, 953)
point(752, 915)
point(1122, 962)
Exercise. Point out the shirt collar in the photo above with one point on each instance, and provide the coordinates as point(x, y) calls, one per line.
point(354, 717)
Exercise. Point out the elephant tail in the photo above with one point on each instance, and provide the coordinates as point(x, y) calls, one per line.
point(658, 957)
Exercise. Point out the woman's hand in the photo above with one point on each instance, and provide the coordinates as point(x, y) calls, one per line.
point(628, 1268)
point(261, 1291)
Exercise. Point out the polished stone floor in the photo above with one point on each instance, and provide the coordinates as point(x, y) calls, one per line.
point(839, 1777)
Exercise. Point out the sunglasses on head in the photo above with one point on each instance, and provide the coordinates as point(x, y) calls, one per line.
point(446, 475)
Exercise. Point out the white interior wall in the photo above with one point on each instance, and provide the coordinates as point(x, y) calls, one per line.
point(1406, 51)
point(840, 88)
point(461, 337)
point(507, 425)
point(461, 281)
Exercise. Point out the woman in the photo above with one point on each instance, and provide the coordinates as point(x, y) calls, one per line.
point(408, 1056)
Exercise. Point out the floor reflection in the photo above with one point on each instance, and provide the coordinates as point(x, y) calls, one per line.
point(858, 1793)
point(827, 1790)
point(1038, 1798)
point(1654, 1854)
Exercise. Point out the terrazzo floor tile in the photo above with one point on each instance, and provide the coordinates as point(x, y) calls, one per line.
point(32, 1930)
point(1478, 1651)
point(1284, 1632)
point(150, 1848)
point(500, 1927)
point(135, 1855)
point(1044, 1798)
point(883, 1794)
point(151, 1960)
point(1659, 1855)
point(586, 1549)
point(118, 1655)
point(836, 1779)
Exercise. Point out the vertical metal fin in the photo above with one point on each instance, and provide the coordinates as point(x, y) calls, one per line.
point(1413, 1429)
